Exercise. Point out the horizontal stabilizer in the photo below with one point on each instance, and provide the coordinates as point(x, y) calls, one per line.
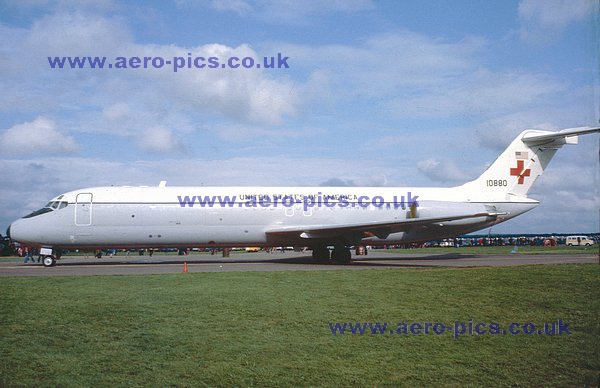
point(567, 136)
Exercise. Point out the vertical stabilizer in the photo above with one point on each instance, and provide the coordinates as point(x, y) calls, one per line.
point(521, 164)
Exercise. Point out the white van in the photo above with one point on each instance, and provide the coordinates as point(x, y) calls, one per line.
point(578, 240)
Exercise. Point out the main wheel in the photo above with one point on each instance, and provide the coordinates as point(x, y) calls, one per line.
point(49, 261)
point(341, 256)
point(320, 254)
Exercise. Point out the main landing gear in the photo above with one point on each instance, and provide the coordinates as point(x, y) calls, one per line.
point(340, 255)
point(320, 254)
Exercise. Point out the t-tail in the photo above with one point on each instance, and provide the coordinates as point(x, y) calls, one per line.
point(521, 164)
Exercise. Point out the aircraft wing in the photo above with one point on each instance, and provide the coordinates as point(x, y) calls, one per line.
point(380, 229)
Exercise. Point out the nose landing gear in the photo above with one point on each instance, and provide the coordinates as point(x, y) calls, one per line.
point(49, 261)
point(48, 256)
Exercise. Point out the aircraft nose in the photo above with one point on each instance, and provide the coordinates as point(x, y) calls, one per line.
point(8, 231)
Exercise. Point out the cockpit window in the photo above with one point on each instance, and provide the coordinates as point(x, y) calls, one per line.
point(50, 206)
point(38, 212)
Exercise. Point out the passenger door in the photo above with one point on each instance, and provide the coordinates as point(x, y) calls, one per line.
point(83, 209)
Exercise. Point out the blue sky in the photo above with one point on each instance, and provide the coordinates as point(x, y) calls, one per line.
point(383, 93)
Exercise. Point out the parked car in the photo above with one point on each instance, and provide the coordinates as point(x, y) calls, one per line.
point(578, 240)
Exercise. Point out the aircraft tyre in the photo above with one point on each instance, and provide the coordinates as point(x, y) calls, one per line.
point(49, 261)
point(341, 256)
point(320, 254)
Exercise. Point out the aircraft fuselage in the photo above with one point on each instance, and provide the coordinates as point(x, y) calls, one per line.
point(127, 217)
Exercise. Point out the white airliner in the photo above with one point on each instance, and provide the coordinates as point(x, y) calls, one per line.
point(315, 217)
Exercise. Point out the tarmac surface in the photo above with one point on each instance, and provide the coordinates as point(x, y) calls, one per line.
point(261, 261)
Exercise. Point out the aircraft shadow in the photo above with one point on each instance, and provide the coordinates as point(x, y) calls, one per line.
point(299, 260)
point(377, 261)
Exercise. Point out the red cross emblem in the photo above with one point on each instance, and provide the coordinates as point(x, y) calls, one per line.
point(520, 171)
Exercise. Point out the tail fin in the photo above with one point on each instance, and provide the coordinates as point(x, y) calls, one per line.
point(522, 163)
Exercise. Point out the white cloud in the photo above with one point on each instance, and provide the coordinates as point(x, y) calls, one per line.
point(291, 11)
point(286, 11)
point(441, 171)
point(543, 20)
point(116, 111)
point(259, 134)
point(131, 100)
point(76, 33)
point(497, 133)
point(240, 7)
point(409, 76)
point(38, 137)
point(555, 13)
point(388, 64)
point(160, 139)
point(482, 94)
point(413, 76)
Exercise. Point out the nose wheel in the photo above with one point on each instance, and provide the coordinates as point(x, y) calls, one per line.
point(49, 261)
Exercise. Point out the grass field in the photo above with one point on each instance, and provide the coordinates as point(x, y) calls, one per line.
point(271, 328)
